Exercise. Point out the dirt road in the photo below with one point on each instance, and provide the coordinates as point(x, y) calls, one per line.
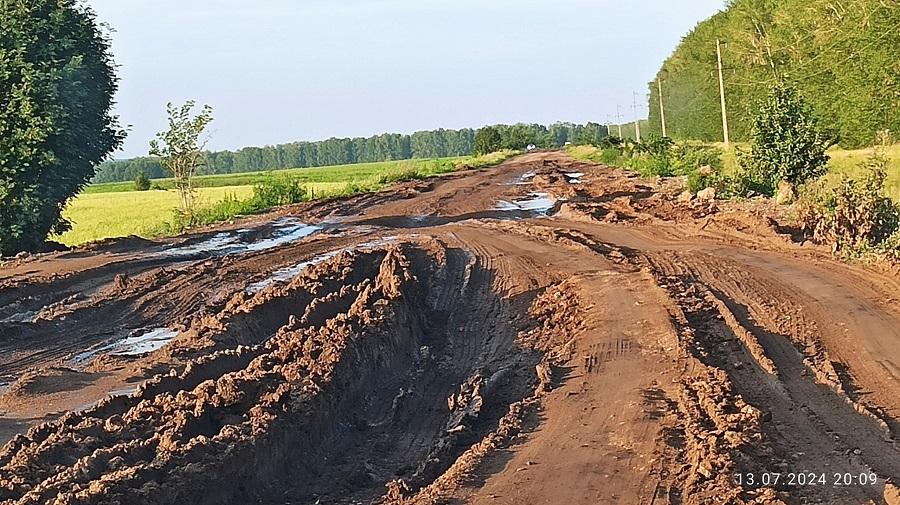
point(544, 332)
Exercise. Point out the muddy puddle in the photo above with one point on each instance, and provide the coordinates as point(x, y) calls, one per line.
point(287, 273)
point(22, 317)
point(284, 231)
point(574, 177)
point(534, 202)
point(137, 343)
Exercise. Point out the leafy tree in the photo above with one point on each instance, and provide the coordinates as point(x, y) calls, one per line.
point(487, 140)
point(180, 149)
point(842, 56)
point(56, 88)
point(142, 182)
point(787, 141)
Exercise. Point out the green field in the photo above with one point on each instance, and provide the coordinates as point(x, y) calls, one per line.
point(338, 173)
point(117, 210)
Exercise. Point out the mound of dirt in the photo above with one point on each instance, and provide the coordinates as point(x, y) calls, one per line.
point(42, 382)
point(366, 344)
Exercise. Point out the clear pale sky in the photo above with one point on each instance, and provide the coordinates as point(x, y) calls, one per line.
point(284, 70)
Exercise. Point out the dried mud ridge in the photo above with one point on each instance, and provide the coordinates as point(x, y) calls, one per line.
point(546, 331)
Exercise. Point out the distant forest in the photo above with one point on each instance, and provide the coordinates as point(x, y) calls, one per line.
point(386, 147)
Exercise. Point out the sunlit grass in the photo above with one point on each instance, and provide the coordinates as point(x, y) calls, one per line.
point(842, 162)
point(117, 210)
point(105, 215)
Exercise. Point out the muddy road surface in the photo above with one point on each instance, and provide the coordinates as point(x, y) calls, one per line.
point(543, 332)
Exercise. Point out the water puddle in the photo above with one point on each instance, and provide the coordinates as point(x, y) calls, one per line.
point(285, 231)
point(144, 343)
point(136, 344)
point(288, 273)
point(535, 202)
point(22, 317)
point(284, 236)
point(208, 246)
point(575, 177)
point(523, 180)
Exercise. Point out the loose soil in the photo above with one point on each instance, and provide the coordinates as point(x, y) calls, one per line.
point(546, 331)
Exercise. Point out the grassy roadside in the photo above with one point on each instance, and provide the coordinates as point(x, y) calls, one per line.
point(843, 162)
point(117, 210)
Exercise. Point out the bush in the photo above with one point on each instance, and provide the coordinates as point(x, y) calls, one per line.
point(610, 142)
point(855, 217)
point(142, 182)
point(787, 142)
point(650, 166)
point(276, 190)
point(403, 173)
point(686, 159)
point(610, 156)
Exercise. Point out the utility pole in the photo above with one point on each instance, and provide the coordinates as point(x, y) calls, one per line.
point(662, 110)
point(609, 124)
point(619, 118)
point(722, 93)
point(637, 118)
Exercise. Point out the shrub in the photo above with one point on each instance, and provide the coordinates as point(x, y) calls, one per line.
point(698, 180)
point(610, 156)
point(787, 142)
point(688, 158)
point(650, 166)
point(651, 158)
point(855, 217)
point(142, 182)
point(655, 146)
point(403, 173)
point(610, 142)
point(277, 190)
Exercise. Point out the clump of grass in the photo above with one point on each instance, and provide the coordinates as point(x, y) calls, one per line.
point(487, 160)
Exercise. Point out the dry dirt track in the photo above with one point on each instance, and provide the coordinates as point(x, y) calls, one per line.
point(460, 340)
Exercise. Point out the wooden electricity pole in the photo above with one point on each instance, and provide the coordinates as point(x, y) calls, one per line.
point(722, 93)
point(619, 118)
point(637, 117)
point(662, 110)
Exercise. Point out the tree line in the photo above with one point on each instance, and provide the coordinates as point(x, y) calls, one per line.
point(841, 57)
point(441, 143)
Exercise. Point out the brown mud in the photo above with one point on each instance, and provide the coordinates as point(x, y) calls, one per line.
point(545, 331)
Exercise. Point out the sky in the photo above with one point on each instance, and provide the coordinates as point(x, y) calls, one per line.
point(279, 71)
